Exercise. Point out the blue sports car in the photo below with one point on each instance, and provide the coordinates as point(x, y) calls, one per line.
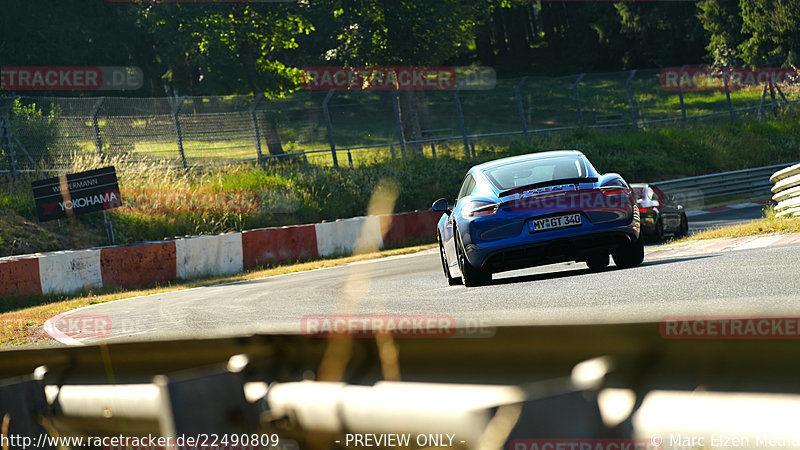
point(537, 209)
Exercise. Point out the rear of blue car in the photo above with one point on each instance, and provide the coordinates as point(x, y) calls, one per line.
point(569, 224)
point(526, 212)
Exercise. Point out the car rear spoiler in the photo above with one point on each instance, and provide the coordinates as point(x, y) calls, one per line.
point(517, 190)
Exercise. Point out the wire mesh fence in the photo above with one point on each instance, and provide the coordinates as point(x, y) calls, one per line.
point(351, 127)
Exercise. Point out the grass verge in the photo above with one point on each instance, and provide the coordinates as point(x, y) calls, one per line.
point(22, 322)
point(162, 203)
point(175, 202)
point(768, 225)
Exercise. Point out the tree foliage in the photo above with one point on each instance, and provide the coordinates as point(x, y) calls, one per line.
point(205, 48)
point(771, 28)
point(398, 32)
point(223, 46)
point(723, 22)
point(660, 34)
point(755, 32)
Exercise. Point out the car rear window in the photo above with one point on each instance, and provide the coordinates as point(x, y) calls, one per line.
point(523, 173)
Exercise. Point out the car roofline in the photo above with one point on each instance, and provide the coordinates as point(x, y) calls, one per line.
point(526, 157)
point(480, 169)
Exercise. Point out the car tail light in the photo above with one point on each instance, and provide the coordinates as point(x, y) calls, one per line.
point(642, 209)
point(478, 208)
point(613, 190)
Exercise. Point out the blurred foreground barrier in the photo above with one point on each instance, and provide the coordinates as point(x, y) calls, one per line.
point(787, 191)
point(603, 386)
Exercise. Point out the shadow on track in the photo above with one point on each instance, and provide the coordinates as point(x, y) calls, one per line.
point(587, 271)
point(658, 262)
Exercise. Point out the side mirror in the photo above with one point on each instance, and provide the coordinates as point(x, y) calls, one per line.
point(441, 206)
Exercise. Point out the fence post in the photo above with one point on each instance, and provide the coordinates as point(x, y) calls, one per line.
point(178, 133)
point(728, 93)
point(630, 97)
point(396, 107)
point(109, 228)
point(5, 138)
point(761, 105)
point(433, 149)
point(98, 144)
point(256, 133)
point(329, 124)
point(680, 93)
point(774, 100)
point(578, 98)
point(460, 113)
point(521, 107)
point(778, 88)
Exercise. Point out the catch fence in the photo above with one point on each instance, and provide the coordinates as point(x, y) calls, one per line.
point(348, 128)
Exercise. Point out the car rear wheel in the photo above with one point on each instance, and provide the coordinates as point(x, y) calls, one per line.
point(658, 234)
point(470, 276)
point(629, 255)
point(452, 281)
point(597, 262)
point(684, 226)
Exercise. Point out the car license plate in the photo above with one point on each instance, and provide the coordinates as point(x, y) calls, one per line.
point(552, 223)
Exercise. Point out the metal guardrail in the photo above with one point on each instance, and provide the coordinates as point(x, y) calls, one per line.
point(252, 384)
point(696, 191)
point(787, 191)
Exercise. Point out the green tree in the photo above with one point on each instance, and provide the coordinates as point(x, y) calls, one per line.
point(722, 21)
point(395, 32)
point(771, 28)
point(582, 36)
point(661, 33)
point(212, 48)
point(401, 32)
point(506, 28)
point(73, 33)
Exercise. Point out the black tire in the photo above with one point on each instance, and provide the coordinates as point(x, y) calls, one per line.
point(452, 281)
point(597, 262)
point(629, 255)
point(684, 230)
point(470, 276)
point(658, 234)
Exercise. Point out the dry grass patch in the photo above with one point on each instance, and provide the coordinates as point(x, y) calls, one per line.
point(768, 225)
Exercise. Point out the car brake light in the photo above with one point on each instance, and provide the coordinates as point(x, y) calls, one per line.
point(613, 190)
point(477, 208)
point(641, 209)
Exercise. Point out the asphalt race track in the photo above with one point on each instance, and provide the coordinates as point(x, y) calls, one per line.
point(753, 281)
